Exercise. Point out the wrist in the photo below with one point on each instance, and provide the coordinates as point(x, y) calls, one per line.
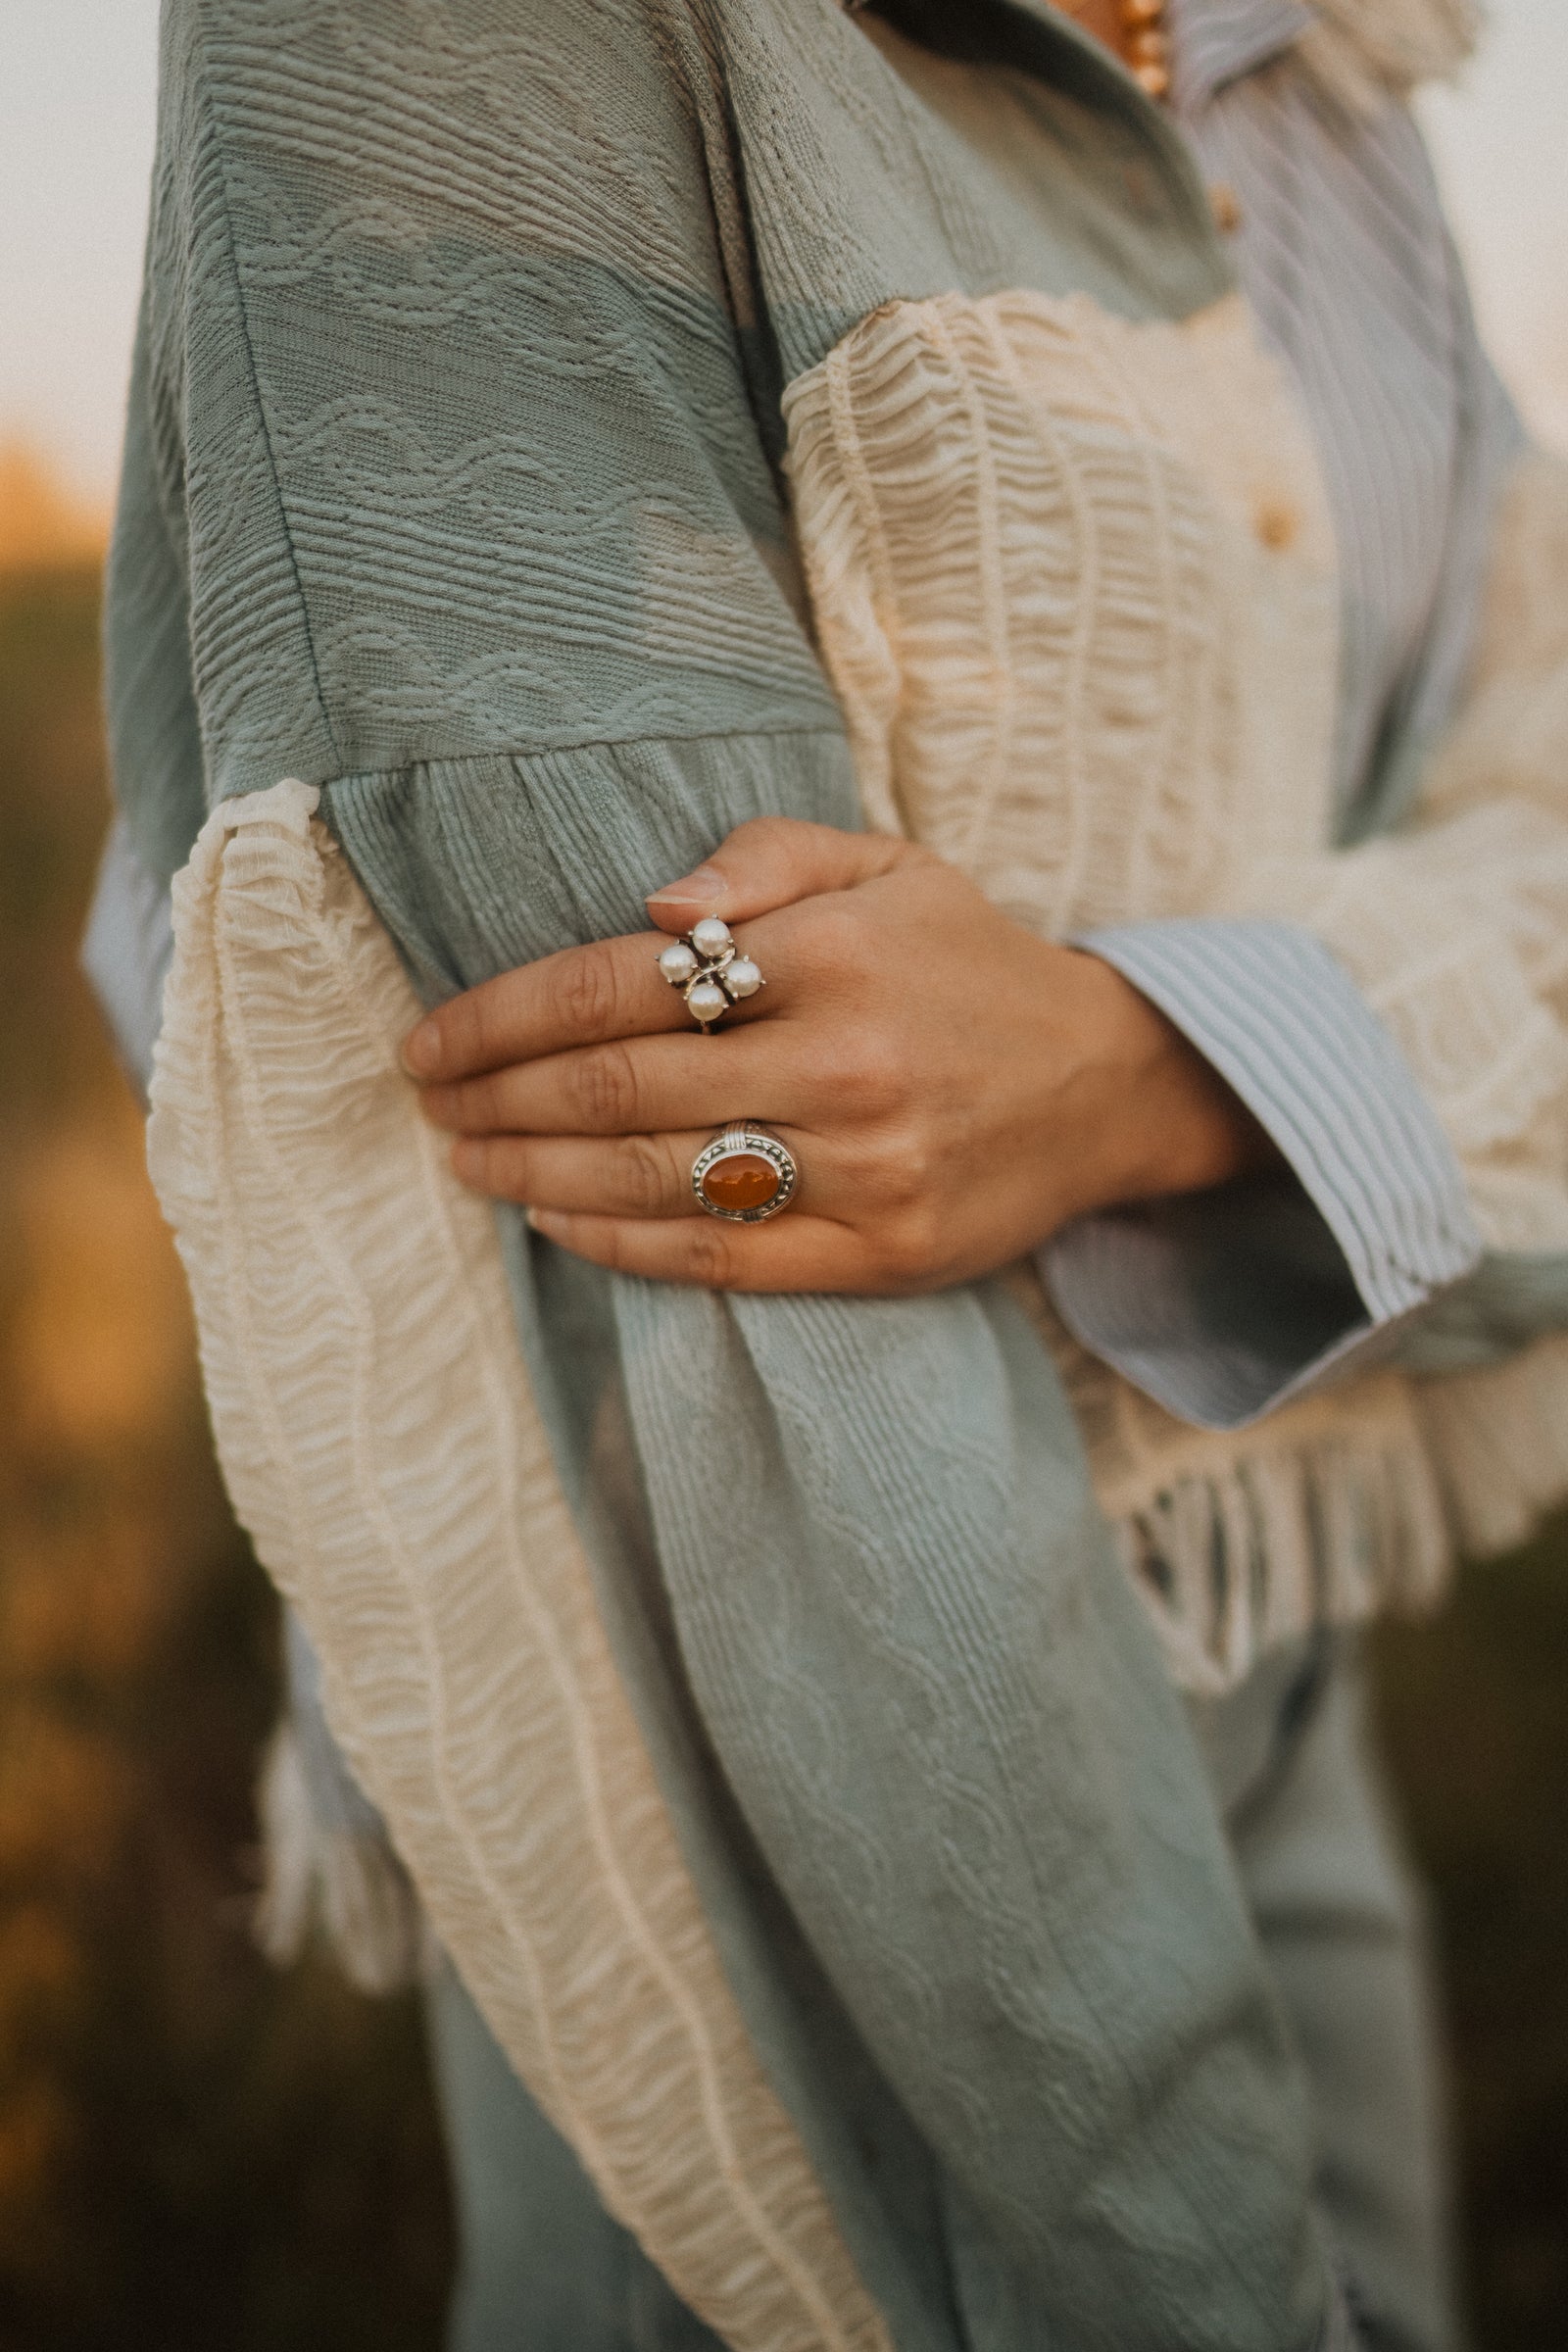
point(1167, 1121)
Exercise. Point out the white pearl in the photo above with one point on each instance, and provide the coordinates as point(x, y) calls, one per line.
point(710, 937)
point(707, 1001)
point(677, 964)
point(742, 977)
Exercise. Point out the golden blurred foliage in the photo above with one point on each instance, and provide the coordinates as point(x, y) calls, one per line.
point(101, 1336)
point(194, 2151)
point(40, 523)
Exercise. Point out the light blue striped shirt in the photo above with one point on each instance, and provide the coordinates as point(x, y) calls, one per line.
point(1225, 1306)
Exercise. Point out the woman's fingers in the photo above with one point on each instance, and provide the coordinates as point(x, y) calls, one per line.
point(791, 1252)
point(636, 1175)
point(645, 1086)
point(613, 988)
point(618, 1176)
point(772, 862)
point(581, 997)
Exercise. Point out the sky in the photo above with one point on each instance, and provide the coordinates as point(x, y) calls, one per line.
point(77, 94)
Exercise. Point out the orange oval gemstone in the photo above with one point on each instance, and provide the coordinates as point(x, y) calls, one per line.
point(743, 1181)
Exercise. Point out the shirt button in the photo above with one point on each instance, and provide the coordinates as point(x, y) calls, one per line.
point(1226, 207)
point(1277, 523)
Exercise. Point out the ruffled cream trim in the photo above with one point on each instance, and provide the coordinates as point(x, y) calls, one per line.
point(380, 1442)
point(1499, 1443)
point(1363, 49)
point(1073, 579)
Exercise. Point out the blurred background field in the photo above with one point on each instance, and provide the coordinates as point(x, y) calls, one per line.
point(196, 2152)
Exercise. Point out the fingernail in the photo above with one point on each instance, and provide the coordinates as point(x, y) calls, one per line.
point(692, 890)
point(548, 1221)
point(421, 1049)
point(466, 1160)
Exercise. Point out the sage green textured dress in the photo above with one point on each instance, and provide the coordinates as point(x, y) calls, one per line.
point(454, 487)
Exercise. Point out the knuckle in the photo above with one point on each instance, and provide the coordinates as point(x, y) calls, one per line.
point(483, 1026)
point(611, 1249)
point(834, 935)
point(767, 834)
point(899, 1165)
point(583, 995)
point(645, 1175)
point(604, 1082)
point(458, 1029)
point(505, 1171)
point(909, 1245)
point(872, 1072)
point(712, 1259)
point(481, 1105)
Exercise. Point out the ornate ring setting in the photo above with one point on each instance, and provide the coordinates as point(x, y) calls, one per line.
point(745, 1174)
point(709, 970)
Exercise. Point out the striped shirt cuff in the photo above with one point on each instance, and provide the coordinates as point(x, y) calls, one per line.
point(1224, 1304)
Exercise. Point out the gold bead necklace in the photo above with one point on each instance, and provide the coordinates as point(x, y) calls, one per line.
point(1147, 44)
point(1143, 40)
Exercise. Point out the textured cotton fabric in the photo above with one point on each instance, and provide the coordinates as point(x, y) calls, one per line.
point(483, 529)
point(466, 462)
point(543, 2265)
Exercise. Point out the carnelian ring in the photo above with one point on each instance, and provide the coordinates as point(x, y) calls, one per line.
point(745, 1175)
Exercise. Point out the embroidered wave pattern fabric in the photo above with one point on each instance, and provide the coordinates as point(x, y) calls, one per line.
point(380, 1442)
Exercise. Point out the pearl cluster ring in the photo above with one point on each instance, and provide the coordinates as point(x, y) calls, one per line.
point(709, 970)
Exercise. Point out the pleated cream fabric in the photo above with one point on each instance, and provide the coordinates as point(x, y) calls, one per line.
point(1362, 49)
point(380, 1442)
point(1074, 581)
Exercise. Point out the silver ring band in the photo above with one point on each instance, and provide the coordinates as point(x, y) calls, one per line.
point(745, 1175)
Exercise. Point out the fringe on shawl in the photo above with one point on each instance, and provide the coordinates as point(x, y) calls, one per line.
point(1233, 1558)
point(1246, 1550)
point(1499, 1440)
point(1241, 1556)
point(1361, 50)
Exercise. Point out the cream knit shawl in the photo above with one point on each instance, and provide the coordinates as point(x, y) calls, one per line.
point(1362, 49)
point(1074, 583)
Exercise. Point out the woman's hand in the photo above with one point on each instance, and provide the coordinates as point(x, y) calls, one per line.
point(952, 1088)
